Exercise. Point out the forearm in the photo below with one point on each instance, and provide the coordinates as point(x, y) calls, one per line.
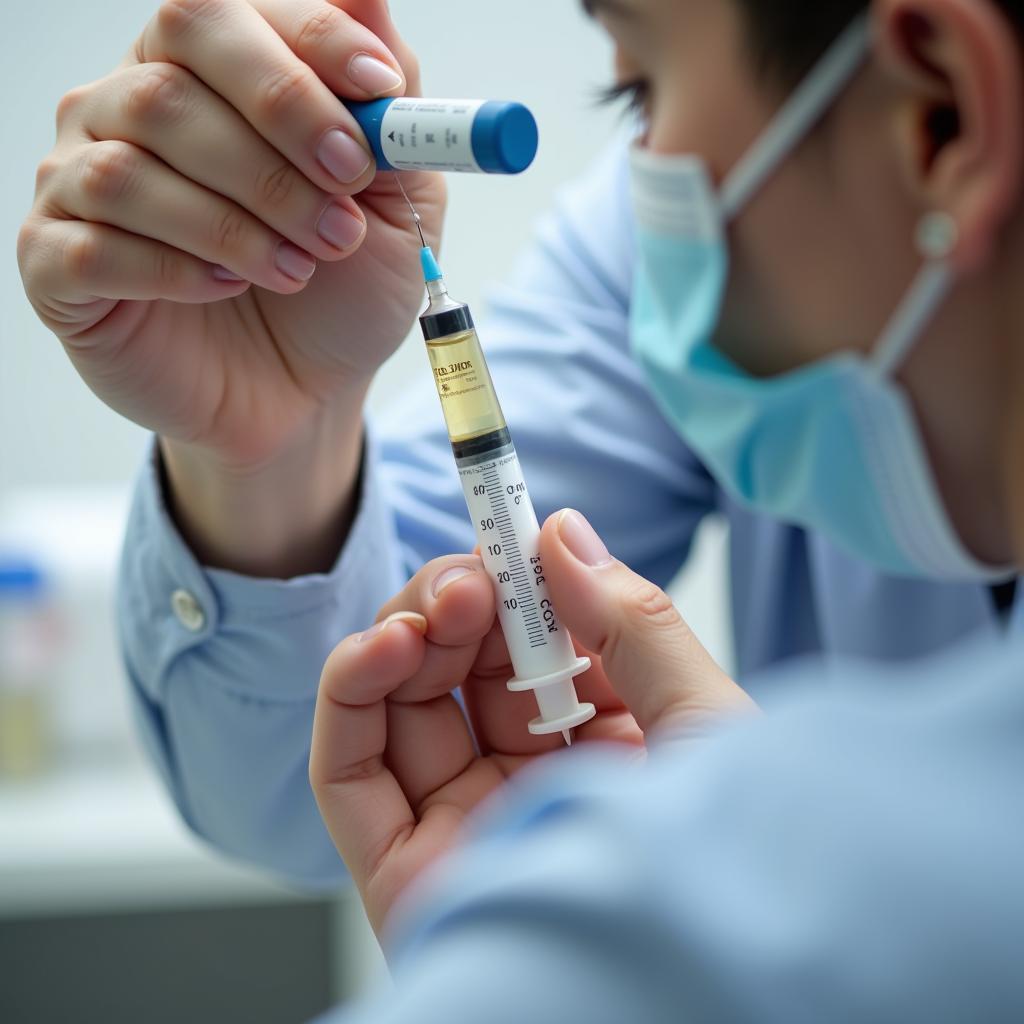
point(288, 516)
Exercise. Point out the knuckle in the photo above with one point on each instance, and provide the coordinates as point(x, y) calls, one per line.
point(69, 104)
point(229, 230)
point(648, 619)
point(360, 771)
point(167, 268)
point(649, 604)
point(276, 184)
point(283, 89)
point(83, 257)
point(110, 171)
point(28, 242)
point(177, 18)
point(158, 95)
point(317, 29)
point(46, 171)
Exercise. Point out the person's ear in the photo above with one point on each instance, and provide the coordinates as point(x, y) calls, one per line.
point(956, 67)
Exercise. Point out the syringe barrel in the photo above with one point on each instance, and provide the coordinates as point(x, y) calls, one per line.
point(541, 650)
point(508, 533)
point(468, 136)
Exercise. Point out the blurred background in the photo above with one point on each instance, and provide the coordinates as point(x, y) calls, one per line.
point(109, 909)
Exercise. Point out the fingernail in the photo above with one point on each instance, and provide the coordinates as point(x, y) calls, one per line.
point(294, 262)
point(414, 619)
point(373, 631)
point(223, 274)
point(448, 577)
point(338, 227)
point(579, 537)
point(343, 157)
point(373, 75)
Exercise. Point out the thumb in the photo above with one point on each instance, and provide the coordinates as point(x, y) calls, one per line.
point(652, 659)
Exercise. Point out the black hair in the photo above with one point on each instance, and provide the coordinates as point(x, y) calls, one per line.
point(788, 36)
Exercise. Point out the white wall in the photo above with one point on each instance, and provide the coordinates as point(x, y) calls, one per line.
point(542, 52)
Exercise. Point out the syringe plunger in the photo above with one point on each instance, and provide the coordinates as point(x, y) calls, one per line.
point(560, 709)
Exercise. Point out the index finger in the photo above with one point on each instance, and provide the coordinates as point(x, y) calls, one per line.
point(238, 54)
point(334, 36)
point(362, 804)
point(385, 833)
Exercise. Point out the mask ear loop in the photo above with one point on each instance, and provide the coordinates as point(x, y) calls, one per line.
point(937, 235)
point(801, 112)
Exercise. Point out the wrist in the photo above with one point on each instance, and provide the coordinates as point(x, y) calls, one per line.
point(285, 516)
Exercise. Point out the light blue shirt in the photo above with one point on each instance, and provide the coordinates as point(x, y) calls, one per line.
point(857, 856)
point(226, 708)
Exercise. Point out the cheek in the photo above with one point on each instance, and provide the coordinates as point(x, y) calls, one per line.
point(683, 123)
point(705, 101)
point(703, 98)
point(821, 258)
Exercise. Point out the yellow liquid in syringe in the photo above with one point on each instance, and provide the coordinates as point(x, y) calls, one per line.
point(471, 408)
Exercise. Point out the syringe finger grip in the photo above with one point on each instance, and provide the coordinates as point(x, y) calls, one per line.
point(575, 668)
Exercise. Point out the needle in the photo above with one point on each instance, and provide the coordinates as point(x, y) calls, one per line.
point(415, 216)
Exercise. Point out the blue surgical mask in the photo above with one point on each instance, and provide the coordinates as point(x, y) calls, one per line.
point(833, 447)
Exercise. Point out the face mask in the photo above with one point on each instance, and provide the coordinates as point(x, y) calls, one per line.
point(832, 447)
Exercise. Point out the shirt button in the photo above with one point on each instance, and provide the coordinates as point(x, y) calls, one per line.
point(188, 611)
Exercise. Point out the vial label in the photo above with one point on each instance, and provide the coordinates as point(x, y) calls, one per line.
point(430, 135)
point(464, 386)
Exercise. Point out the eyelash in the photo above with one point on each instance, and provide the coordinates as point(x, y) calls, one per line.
point(635, 92)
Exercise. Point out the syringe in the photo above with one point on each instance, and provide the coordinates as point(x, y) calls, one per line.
point(540, 647)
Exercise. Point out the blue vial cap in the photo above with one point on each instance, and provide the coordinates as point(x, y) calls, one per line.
point(20, 578)
point(370, 116)
point(431, 271)
point(505, 138)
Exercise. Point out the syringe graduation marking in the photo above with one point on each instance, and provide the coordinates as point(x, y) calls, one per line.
point(514, 559)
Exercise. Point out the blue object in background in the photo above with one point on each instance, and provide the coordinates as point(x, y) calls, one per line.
point(20, 578)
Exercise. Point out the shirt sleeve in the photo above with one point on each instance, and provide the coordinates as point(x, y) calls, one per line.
point(224, 669)
point(852, 859)
point(587, 429)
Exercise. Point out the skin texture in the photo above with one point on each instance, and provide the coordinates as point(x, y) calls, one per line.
point(821, 258)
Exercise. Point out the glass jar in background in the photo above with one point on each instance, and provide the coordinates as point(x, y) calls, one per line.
point(30, 645)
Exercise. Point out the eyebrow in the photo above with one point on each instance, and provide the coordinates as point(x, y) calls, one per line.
point(594, 7)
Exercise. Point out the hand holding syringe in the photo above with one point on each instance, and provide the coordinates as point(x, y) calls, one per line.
point(506, 525)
